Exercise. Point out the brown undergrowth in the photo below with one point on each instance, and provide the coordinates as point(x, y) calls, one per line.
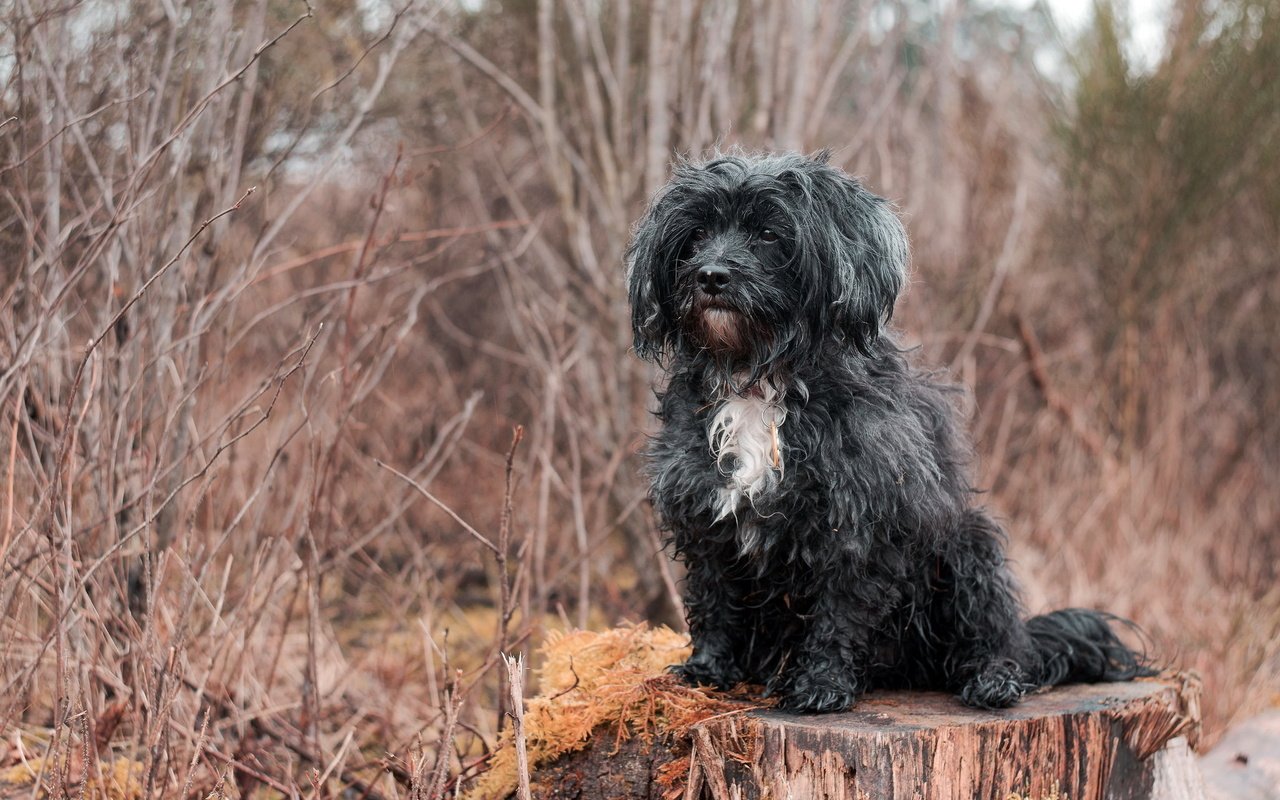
point(610, 683)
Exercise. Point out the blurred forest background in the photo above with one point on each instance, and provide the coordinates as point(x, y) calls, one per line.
point(258, 257)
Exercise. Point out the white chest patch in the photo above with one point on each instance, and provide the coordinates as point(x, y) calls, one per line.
point(748, 429)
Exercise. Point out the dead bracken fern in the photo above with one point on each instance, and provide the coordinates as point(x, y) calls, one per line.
point(616, 679)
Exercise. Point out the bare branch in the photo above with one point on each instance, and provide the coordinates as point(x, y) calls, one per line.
point(479, 537)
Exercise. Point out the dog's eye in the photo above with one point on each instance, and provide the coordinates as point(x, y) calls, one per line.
point(768, 236)
point(698, 235)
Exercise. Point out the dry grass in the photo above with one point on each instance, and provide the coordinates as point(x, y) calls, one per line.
point(208, 574)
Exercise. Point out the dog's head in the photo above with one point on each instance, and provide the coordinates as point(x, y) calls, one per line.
point(757, 263)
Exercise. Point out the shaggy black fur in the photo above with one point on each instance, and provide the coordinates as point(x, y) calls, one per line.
point(861, 562)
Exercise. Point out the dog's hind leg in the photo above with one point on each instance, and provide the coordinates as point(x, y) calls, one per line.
point(990, 659)
point(995, 657)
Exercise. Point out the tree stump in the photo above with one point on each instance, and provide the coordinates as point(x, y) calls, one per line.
point(1089, 742)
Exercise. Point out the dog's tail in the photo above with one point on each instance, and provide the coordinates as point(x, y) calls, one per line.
point(1077, 645)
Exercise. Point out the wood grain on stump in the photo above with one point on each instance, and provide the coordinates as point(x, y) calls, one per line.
point(1112, 741)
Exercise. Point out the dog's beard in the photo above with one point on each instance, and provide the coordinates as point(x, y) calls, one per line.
point(738, 348)
point(721, 330)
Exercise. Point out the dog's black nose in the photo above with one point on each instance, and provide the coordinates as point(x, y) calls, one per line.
point(713, 278)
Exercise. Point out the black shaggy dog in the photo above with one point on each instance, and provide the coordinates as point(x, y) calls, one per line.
point(812, 482)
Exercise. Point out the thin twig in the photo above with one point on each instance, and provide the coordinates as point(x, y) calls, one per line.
point(505, 605)
point(409, 236)
point(35, 151)
point(1010, 253)
point(453, 704)
point(480, 537)
point(97, 340)
point(1052, 398)
point(515, 680)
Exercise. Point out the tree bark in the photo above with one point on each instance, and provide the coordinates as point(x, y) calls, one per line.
point(1098, 742)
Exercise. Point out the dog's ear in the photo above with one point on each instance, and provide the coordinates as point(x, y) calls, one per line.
point(652, 258)
point(866, 253)
point(647, 326)
point(650, 261)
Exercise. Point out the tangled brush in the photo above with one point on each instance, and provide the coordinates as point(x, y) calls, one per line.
point(615, 678)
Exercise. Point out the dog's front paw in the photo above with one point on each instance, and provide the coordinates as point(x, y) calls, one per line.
point(998, 684)
point(807, 694)
point(703, 671)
